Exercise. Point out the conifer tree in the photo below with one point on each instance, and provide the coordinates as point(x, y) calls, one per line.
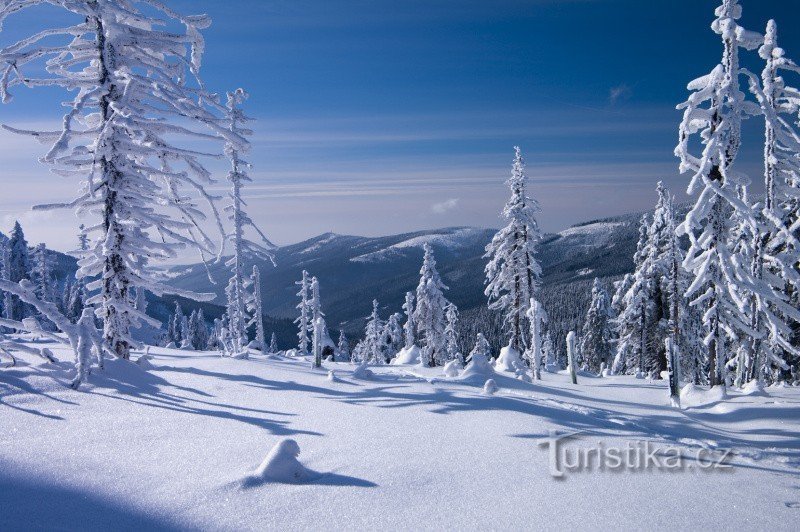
point(256, 309)
point(596, 338)
point(512, 274)
point(429, 314)
point(451, 335)
point(18, 268)
point(343, 346)
point(537, 317)
point(715, 111)
point(304, 320)
point(138, 97)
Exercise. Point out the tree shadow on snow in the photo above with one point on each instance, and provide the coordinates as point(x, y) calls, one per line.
point(31, 505)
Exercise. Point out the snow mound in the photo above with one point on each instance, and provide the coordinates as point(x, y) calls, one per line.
point(452, 368)
point(693, 396)
point(281, 465)
point(490, 388)
point(254, 344)
point(244, 355)
point(509, 360)
point(332, 376)
point(407, 355)
point(362, 372)
point(754, 387)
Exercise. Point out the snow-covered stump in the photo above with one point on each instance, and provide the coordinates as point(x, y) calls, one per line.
point(571, 356)
point(490, 387)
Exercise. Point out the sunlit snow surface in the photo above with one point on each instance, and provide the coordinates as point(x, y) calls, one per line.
point(401, 447)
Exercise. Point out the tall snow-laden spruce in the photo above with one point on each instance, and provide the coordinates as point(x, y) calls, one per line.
point(596, 338)
point(634, 321)
point(304, 320)
point(512, 274)
point(722, 280)
point(429, 314)
point(343, 347)
point(17, 268)
point(317, 323)
point(255, 307)
point(244, 249)
point(138, 96)
point(776, 247)
point(371, 348)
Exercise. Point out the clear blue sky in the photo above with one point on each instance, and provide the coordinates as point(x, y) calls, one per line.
point(380, 116)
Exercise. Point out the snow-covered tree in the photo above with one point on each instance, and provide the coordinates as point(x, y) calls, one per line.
point(722, 281)
point(175, 330)
point(482, 349)
point(451, 335)
point(200, 331)
point(137, 95)
point(512, 274)
point(255, 306)
point(634, 321)
point(596, 338)
point(537, 317)
point(775, 245)
point(372, 346)
point(429, 313)
point(393, 335)
point(304, 320)
point(273, 343)
point(343, 346)
point(244, 249)
point(43, 274)
point(409, 328)
point(18, 268)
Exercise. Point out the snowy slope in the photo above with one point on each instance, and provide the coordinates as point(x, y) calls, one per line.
point(404, 449)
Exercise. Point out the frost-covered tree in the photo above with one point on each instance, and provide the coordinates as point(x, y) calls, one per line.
point(244, 249)
point(318, 327)
point(722, 280)
point(198, 330)
point(175, 331)
point(429, 313)
point(393, 335)
point(273, 344)
point(372, 346)
point(191, 331)
point(451, 335)
point(18, 268)
point(482, 349)
point(596, 338)
point(634, 321)
point(343, 346)
point(138, 96)
point(410, 328)
point(255, 307)
point(304, 320)
point(775, 246)
point(512, 274)
point(537, 317)
point(43, 274)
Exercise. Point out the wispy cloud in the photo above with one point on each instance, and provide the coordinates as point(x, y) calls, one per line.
point(444, 206)
point(619, 93)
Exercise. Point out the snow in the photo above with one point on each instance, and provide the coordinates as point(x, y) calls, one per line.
point(509, 360)
point(451, 240)
point(168, 448)
point(407, 355)
point(316, 246)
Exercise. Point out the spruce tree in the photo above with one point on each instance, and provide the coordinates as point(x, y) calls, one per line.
point(596, 338)
point(512, 274)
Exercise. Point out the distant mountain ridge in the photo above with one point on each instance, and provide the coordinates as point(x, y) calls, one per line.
point(353, 269)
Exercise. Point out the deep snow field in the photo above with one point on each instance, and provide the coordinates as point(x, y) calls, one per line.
point(175, 447)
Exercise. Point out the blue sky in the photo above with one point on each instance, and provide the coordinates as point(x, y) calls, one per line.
point(377, 117)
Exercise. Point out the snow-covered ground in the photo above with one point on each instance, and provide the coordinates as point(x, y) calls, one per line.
point(402, 447)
